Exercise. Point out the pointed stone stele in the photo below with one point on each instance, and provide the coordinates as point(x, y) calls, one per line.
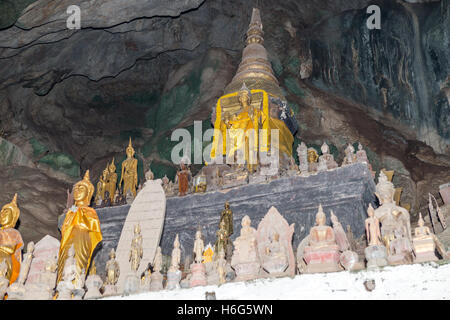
point(274, 239)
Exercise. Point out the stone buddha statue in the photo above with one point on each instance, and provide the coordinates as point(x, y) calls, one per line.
point(372, 225)
point(111, 180)
point(395, 223)
point(275, 259)
point(198, 247)
point(129, 174)
point(312, 160)
point(423, 243)
point(350, 156)
point(327, 157)
point(322, 253)
point(245, 258)
point(80, 229)
point(176, 256)
point(11, 242)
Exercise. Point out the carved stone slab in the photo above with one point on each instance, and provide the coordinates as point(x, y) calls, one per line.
point(148, 209)
point(272, 222)
point(47, 248)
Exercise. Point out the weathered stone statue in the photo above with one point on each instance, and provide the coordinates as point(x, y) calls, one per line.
point(350, 156)
point(111, 181)
point(302, 152)
point(395, 223)
point(43, 288)
point(156, 278)
point(322, 253)
point(174, 273)
point(341, 236)
point(93, 284)
point(11, 242)
point(4, 282)
point(327, 157)
point(136, 251)
point(198, 269)
point(81, 228)
point(112, 274)
point(245, 260)
point(375, 252)
point(424, 243)
point(70, 275)
point(129, 174)
point(221, 266)
point(149, 175)
point(312, 160)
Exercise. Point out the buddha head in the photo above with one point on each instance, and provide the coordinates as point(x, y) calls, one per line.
point(83, 191)
point(130, 150)
point(320, 217)
point(9, 214)
point(276, 237)
point(105, 174)
point(112, 167)
point(245, 96)
point(324, 148)
point(384, 190)
point(227, 205)
point(246, 222)
point(198, 235)
point(349, 149)
point(137, 229)
point(312, 155)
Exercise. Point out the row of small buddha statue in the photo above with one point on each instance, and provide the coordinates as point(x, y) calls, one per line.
point(311, 162)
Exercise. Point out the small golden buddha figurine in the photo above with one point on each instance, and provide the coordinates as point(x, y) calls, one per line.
point(101, 187)
point(321, 235)
point(11, 242)
point(423, 242)
point(129, 172)
point(208, 254)
point(112, 269)
point(222, 238)
point(313, 156)
point(227, 217)
point(81, 228)
point(136, 251)
point(111, 181)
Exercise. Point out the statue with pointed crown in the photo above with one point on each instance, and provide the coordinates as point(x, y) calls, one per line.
point(101, 188)
point(253, 101)
point(111, 180)
point(80, 229)
point(322, 253)
point(395, 223)
point(129, 174)
point(11, 242)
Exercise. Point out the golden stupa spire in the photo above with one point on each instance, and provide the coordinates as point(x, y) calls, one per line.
point(255, 68)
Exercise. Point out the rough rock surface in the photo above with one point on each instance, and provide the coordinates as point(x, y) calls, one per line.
point(69, 99)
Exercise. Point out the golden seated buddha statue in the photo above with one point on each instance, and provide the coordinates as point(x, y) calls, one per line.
point(423, 243)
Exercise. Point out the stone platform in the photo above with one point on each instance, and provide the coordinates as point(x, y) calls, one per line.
point(347, 191)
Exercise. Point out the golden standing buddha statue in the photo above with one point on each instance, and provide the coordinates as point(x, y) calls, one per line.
point(111, 180)
point(101, 186)
point(129, 174)
point(80, 229)
point(11, 242)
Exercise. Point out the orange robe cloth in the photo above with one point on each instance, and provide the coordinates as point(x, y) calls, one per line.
point(11, 237)
point(82, 230)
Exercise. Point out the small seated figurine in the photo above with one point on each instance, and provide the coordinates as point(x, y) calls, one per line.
point(245, 259)
point(327, 157)
point(322, 253)
point(423, 242)
point(275, 259)
point(312, 160)
point(350, 156)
